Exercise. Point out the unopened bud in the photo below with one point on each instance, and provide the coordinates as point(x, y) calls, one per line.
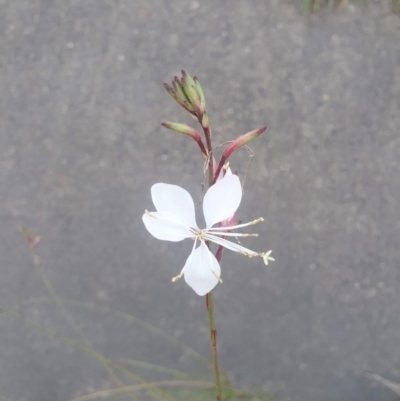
point(182, 98)
point(200, 93)
point(190, 89)
point(236, 144)
point(188, 93)
point(171, 92)
point(182, 129)
point(241, 141)
point(186, 130)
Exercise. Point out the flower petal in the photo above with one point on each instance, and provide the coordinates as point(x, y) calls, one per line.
point(222, 200)
point(166, 226)
point(199, 269)
point(174, 199)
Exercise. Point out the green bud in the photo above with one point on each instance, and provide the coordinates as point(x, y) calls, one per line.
point(171, 92)
point(200, 93)
point(189, 86)
point(187, 92)
point(186, 130)
point(183, 100)
point(181, 128)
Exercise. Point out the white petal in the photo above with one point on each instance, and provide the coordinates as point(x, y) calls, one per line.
point(231, 245)
point(199, 269)
point(166, 226)
point(222, 200)
point(176, 200)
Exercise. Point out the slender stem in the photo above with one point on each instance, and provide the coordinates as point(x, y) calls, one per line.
point(213, 334)
point(209, 296)
point(213, 339)
point(207, 134)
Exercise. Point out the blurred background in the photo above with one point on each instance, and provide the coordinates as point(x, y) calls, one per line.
point(82, 99)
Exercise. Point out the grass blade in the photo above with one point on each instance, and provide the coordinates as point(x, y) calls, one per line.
point(137, 387)
point(88, 350)
point(136, 321)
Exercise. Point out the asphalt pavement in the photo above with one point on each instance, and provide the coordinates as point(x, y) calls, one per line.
point(81, 102)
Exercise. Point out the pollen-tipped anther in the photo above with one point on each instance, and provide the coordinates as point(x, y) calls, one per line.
point(176, 278)
point(149, 214)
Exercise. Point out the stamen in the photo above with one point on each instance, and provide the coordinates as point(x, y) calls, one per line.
point(216, 275)
point(225, 234)
point(149, 214)
point(237, 226)
point(232, 246)
point(176, 278)
point(251, 255)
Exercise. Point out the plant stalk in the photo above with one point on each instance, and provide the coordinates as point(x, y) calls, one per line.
point(213, 339)
point(209, 296)
point(207, 134)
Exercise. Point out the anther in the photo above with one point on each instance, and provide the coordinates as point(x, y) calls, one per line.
point(252, 255)
point(216, 275)
point(176, 278)
point(257, 220)
point(149, 214)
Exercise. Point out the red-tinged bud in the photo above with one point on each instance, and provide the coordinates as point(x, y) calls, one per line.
point(235, 145)
point(241, 141)
point(182, 129)
point(186, 130)
point(171, 92)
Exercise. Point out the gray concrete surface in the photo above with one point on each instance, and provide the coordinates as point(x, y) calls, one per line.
point(82, 99)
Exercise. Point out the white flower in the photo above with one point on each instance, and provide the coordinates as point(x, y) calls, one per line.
point(175, 220)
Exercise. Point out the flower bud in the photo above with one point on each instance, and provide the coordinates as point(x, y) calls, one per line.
point(188, 93)
point(190, 88)
point(186, 130)
point(181, 95)
point(181, 128)
point(236, 144)
point(241, 141)
point(200, 93)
